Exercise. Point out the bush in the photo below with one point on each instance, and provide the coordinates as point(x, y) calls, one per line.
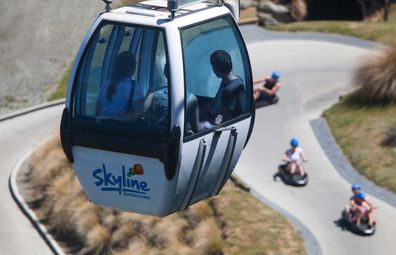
point(390, 138)
point(377, 77)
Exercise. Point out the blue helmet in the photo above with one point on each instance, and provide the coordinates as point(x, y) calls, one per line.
point(275, 75)
point(356, 186)
point(361, 195)
point(294, 142)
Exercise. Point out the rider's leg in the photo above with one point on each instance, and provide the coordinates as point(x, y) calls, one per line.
point(301, 169)
point(256, 93)
point(358, 217)
point(347, 209)
point(293, 167)
point(370, 218)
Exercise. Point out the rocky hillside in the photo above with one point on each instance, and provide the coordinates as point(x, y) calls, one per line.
point(38, 40)
point(272, 12)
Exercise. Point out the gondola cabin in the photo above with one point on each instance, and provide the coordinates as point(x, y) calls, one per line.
point(159, 106)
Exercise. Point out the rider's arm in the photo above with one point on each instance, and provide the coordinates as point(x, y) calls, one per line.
point(285, 157)
point(303, 156)
point(352, 203)
point(260, 80)
point(371, 205)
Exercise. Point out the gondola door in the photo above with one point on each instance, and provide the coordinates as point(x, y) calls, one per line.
point(116, 126)
point(212, 145)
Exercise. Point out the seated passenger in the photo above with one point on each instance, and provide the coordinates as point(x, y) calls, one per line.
point(350, 207)
point(268, 90)
point(230, 98)
point(362, 209)
point(120, 95)
point(158, 110)
point(353, 208)
point(294, 157)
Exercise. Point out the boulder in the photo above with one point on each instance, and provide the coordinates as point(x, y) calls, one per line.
point(267, 6)
point(248, 3)
point(266, 19)
point(298, 9)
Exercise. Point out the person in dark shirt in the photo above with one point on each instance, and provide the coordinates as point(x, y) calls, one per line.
point(230, 98)
point(268, 90)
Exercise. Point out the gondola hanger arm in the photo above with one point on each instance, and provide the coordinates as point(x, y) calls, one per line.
point(175, 5)
point(107, 3)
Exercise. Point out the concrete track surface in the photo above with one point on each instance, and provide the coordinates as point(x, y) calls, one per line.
point(313, 75)
point(18, 136)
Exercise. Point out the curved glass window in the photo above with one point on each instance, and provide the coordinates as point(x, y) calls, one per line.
point(121, 83)
point(217, 73)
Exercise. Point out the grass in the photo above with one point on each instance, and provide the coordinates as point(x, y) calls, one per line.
point(361, 131)
point(232, 223)
point(61, 89)
point(380, 31)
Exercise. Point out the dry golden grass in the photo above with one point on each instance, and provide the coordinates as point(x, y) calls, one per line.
point(97, 240)
point(205, 228)
point(360, 131)
point(376, 77)
point(204, 245)
point(47, 164)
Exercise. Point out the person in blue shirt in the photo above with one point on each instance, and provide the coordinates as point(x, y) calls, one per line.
point(121, 94)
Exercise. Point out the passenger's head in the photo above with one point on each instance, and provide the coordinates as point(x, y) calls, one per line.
point(294, 143)
point(124, 65)
point(275, 75)
point(221, 62)
point(361, 196)
point(356, 188)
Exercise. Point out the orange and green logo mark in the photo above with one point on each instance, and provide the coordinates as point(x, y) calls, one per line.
point(137, 169)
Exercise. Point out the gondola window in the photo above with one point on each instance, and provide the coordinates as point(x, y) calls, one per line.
point(122, 84)
point(216, 70)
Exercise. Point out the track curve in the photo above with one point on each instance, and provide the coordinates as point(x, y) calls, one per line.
point(314, 74)
point(18, 136)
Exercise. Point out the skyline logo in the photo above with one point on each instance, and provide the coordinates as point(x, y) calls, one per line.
point(137, 169)
point(124, 182)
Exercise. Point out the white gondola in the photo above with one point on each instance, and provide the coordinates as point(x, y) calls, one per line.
point(142, 126)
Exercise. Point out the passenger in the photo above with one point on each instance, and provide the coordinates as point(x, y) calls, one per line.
point(230, 98)
point(122, 94)
point(159, 106)
point(294, 157)
point(352, 207)
point(268, 90)
point(158, 100)
point(363, 209)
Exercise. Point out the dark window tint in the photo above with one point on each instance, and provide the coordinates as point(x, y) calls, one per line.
point(210, 96)
point(121, 85)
